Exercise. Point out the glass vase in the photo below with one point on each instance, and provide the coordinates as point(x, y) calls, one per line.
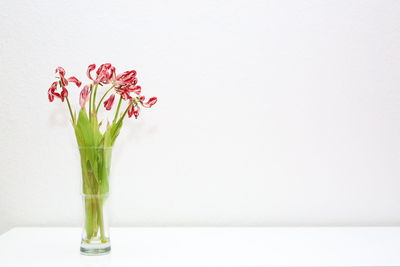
point(95, 164)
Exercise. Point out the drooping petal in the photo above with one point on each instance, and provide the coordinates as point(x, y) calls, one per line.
point(84, 96)
point(125, 95)
point(74, 80)
point(61, 71)
point(53, 86)
point(64, 94)
point(136, 89)
point(55, 94)
point(50, 95)
point(109, 102)
point(130, 110)
point(58, 95)
point(150, 103)
point(52, 91)
point(90, 68)
point(134, 110)
point(112, 74)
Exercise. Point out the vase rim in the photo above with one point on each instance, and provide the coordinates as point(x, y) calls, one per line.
point(95, 147)
point(95, 195)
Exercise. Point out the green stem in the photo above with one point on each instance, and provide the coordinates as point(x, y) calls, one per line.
point(126, 111)
point(88, 220)
point(117, 111)
point(94, 96)
point(101, 220)
point(101, 100)
point(90, 102)
point(70, 110)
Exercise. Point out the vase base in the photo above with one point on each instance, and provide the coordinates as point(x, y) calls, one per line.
point(95, 250)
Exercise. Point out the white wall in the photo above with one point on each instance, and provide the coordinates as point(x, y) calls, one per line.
point(269, 112)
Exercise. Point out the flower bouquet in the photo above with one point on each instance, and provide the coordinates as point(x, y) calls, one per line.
point(95, 145)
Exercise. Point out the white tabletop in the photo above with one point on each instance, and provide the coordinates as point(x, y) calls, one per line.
point(217, 246)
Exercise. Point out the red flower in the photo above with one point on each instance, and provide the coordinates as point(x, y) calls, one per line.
point(126, 78)
point(134, 110)
point(109, 102)
point(51, 93)
point(84, 96)
point(105, 74)
point(64, 81)
point(61, 72)
point(124, 84)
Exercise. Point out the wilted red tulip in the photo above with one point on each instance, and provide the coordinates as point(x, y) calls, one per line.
point(84, 96)
point(127, 78)
point(134, 110)
point(123, 84)
point(105, 74)
point(64, 81)
point(61, 72)
point(109, 102)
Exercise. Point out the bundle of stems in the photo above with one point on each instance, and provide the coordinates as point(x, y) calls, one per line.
point(95, 151)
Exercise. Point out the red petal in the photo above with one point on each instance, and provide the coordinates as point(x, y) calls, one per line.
point(84, 96)
point(150, 103)
point(90, 68)
point(64, 94)
point(109, 102)
point(133, 110)
point(75, 80)
point(61, 71)
point(53, 86)
point(112, 75)
point(136, 89)
point(50, 95)
point(130, 110)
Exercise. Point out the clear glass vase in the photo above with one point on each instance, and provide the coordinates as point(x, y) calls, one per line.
point(95, 164)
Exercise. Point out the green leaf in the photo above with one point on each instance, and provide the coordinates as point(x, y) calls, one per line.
point(114, 131)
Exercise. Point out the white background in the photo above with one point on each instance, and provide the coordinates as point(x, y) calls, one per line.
point(269, 112)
